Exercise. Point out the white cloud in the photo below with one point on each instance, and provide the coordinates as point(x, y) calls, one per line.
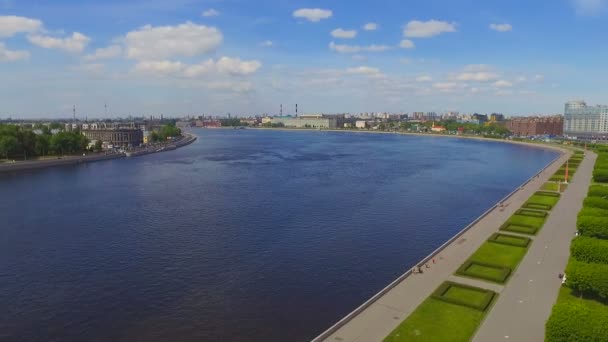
point(11, 25)
point(238, 87)
point(370, 27)
point(424, 78)
point(158, 43)
point(111, 51)
point(479, 76)
point(235, 66)
point(74, 44)
point(7, 55)
point(210, 13)
point(363, 70)
point(501, 27)
point(224, 65)
point(356, 48)
point(427, 29)
point(407, 44)
point(312, 14)
point(502, 84)
point(267, 43)
point(539, 77)
point(447, 86)
point(589, 7)
point(520, 79)
point(344, 34)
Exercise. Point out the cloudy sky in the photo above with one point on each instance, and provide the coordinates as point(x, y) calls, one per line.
point(145, 57)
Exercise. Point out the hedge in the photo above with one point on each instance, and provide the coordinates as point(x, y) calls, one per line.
point(446, 286)
point(593, 226)
point(531, 213)
point(504, 271)
point(588, 278)
point(595, 212)
point(598, 191)
point(512, 240)
point(538, 206)
point(590, 249)
point(595, 202)
point(600, 175)
point(547, 193)
point(576, 322)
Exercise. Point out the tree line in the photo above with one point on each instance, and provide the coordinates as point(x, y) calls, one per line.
point(165, 132)
point(17, 142)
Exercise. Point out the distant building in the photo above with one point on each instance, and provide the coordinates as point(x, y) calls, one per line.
point(307, 121)
point(123, 137)
point(585, 122)
point(496, 117)
point(437, 128)
point(363, 124)
point(531, 126)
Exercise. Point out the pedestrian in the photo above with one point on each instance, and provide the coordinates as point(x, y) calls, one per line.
point(433, 260)
point(427, 265)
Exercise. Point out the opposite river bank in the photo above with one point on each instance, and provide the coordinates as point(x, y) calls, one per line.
point(209, 242)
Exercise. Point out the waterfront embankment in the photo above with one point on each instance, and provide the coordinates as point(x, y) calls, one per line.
point(377, 317)
point(18, 166)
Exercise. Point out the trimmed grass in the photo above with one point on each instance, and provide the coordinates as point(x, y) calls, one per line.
point(493, 262)
point(553, 186)
point(523, 229)
point(438, 321)
point(536, 222)
point(537, 206)
point(493, 273)
point(465, 295)
point(544, 200)
point(531, 213)
point(512, 240)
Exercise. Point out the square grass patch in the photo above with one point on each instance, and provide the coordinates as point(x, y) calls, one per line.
point(513, 240)
point(537, 206)
point(519, 228)
point(531, 213)
point(474, 269)
point(547, 194)
point(438, 321)
point(554, 186)
point(465, 295)
point(499, 255)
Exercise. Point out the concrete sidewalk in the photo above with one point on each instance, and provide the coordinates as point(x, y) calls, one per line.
point(376, 321)
point(525, 305)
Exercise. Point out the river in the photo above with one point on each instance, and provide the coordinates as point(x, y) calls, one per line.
point(245, 235)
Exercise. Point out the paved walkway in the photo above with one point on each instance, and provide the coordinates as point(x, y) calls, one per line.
point(525, 305)
point(377, 321)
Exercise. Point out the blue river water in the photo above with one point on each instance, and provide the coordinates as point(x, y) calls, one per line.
point(245, 235)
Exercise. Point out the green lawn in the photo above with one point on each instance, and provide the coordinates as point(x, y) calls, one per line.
point(553, 186)
point(536, 222)
point(476, 298)
point(543, 200)
point(499, 255)
point(510, 240)
point(511, 227)
point(485, 272)
point(438, 321)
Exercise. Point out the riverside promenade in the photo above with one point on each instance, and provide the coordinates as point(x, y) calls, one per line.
point(525, 304)
point(376, 318)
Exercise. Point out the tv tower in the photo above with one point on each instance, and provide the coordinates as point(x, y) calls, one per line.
point(281, 110)
point(105, 107)
point(74, 112)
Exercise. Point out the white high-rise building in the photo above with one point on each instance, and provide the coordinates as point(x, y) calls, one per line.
point(585, 122)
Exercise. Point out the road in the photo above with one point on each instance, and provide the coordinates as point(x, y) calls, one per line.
point(525, 304)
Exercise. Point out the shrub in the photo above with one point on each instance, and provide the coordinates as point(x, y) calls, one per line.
point(598, 191)
point(595, 202)
point(593, 226)
point(595, 212)
point(539, 206)
point(485, 271)
point(600, 175)
point(531, 213)
point(576, 322)
point(588, 278)
point(589, 249)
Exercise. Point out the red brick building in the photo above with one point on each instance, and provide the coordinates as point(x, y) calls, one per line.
point(528, 126)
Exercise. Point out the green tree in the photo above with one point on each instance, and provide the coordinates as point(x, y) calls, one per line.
point(8, 145)
point(98, 145)
point(42, 144)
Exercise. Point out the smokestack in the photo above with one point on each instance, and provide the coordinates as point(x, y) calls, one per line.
point(296, 109)
point(281, 110)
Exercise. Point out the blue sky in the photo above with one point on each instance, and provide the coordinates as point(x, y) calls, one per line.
point(247, 57)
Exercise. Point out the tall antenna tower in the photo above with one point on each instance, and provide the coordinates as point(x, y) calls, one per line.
point(296, 109)
point(105, 107)
point(281, 110)
point(74, 112)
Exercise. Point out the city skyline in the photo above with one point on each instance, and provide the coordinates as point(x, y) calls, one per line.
point(145, 57)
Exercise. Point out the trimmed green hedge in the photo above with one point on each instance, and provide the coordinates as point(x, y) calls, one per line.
point(590, 249)
point(593, 226)
point(595, 202)
point(484, 296)
point(531, 213)
point(512, 240)
point(519, 228)
point(547, 193)
point(538, 206)
point(502, 273)
point(598, 191)
point(595, 212)
point(600, 175)
point(576, 322)
point(587, 277)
